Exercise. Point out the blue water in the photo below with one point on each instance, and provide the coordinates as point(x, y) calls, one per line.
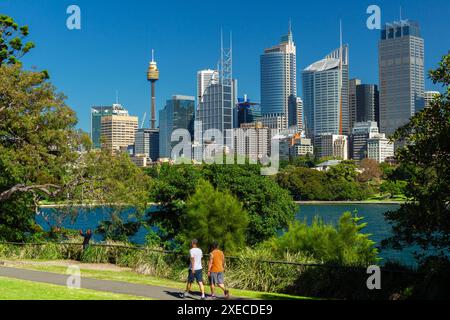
point(373, 214)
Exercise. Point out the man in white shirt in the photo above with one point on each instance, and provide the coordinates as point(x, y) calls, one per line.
point(195, 269)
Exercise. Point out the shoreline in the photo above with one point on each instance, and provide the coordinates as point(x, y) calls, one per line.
point(364, 202)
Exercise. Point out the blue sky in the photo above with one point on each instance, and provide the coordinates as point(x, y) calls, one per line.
point(112, 50)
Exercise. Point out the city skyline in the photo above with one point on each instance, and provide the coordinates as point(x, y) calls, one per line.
point(68, 65)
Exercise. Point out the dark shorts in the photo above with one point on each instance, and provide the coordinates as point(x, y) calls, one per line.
point(196, 276)
point(216, 278)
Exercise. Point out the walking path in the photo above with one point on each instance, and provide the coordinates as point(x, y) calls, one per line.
point(153, 292)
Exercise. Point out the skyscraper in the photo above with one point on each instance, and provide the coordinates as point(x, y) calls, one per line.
point(218, 98)
point(97, 113)
point(325, 95)
point(353, 83)
point(429, 96)
point(361, 133)
point(401, 68)
point(147, 143)
point(247, 112)
point(178, 113)
point(205, 78)
point(367, 103)
point(118, 131)
point(278, 79)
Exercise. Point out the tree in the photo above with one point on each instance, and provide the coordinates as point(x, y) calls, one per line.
point(394, 188)
point(43, 157)
point(370, 170)
point(424, 220)
point(269, 206)
point(212, 215)
point(343, 244)
point(12, 46)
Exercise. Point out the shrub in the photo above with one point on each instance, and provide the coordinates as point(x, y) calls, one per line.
point(343, 245)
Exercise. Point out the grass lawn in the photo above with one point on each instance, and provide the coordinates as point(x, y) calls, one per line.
point(14, 289)
point(132, 277)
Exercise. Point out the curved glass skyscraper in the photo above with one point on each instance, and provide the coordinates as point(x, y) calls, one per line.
point(278, 79)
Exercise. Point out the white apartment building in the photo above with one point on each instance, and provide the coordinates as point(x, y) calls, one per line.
point(379, 148)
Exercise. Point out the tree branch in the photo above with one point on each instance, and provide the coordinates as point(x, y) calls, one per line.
point(45, 188)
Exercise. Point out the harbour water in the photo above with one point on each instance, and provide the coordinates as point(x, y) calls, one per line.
point(378, 228)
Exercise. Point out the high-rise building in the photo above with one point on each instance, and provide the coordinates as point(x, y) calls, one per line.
point(178, 113)
point(278, 80)
point(361, 133)
point(219, 98)
point(247, 112)
point(332, 145)
point(118, 131)
point(379, 148)
point(205, 78)
point(401, 68)
point(252, 141)
point(96, 121)
point(147, 143)
point(326, 94)
point(367, 103)
point(295, 115)
point(353, 83)
point(429, 96)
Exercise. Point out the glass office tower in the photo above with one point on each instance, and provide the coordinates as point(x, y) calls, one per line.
point(278, 79)
point(401, 68)
point(178, 113)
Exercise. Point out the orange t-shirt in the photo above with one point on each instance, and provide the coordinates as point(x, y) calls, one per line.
point(218, 258)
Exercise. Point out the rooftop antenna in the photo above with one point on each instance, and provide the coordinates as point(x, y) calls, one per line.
point(400, 13)
point(290, 25)
point(153, 55)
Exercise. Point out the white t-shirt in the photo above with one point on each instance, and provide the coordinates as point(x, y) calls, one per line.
point(197, 254)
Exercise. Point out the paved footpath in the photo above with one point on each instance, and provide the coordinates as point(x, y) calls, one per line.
point(141, 290)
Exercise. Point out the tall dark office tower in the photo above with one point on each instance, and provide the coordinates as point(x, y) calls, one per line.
point(177, 114)
point(247, 112)
point(367, 103)
point(401, 67)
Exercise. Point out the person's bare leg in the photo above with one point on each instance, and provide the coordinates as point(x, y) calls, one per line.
point(222, 286)
point(213, 288)
point(202, 288)
point(188, 287)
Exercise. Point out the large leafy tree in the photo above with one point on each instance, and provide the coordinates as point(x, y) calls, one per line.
point(212, 215)
point(12, 41)
point(425, 220)
point(270, 208)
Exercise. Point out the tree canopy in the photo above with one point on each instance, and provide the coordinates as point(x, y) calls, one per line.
point(424, 220)
point(12, 37)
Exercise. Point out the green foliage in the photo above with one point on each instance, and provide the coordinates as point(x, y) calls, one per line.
point(394, 188)
point(12, 45)
point(211, 216)
point(424, 221)
point(339, 183)
point(342, 245)
point(270, 208)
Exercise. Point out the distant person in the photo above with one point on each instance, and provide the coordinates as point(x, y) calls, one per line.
point(86, 238)
point(195, 270)
point(216, 269)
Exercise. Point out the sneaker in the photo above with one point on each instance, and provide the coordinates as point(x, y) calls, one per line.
point(213, 296)
point(203, 298)
point(227, 294)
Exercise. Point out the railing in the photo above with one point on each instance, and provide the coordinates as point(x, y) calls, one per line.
point(231, 258)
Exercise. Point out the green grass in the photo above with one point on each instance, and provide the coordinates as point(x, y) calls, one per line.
point(132, 277)
point(14, 289)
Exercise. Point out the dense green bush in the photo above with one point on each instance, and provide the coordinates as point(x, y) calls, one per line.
point(211, 216)
point(341, 245)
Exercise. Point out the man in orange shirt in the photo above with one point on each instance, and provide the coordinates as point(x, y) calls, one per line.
point(216, 269)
